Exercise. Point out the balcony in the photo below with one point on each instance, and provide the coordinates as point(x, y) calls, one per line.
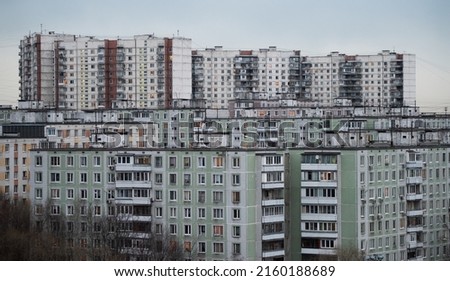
point(272, 168)
point(133, 167)
point(319, 217)
point(133, 184)
point(319, 200)
point(274, 218)
point(319, 167)
point(414, 165)
point(317, 251)
point(318, 234)
point(129, 217)
point(414, 196)
point(414, 228)
point(273, 236)
point(272, 185)
point(274, 253)
point(414, 180)
point(414, 244)
point(272, 202)
point(415, 213)
point(319, 183)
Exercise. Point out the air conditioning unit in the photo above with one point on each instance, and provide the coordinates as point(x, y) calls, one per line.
point(402, 197)
point(111, 167)
point(380, 216)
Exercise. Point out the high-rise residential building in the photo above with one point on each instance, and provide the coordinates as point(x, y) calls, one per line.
point(220, 76)
point(385, 79)
point(85, 72)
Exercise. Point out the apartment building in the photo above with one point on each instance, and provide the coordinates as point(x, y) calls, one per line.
point(85, 72)
point(296, 204)
point(220, 76)
point(222, 205)
point(384, 79)
point(15, 166)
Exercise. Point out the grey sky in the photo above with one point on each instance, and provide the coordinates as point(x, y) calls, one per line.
point(314, 27)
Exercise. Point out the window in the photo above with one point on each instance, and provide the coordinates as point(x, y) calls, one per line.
point(236, 179)
point(97, 210)
point(83, 193)
point(236, 248)
point(173, 229)
point(111, 177)
point(83, 161)
point(201, 179)
point(217, 196)
point(69, 210)
point(218, 162)
point(187, 213)
point(187, 229)
point(235, 162)
point(201, 213)
point(158, 162)
point(173, 179)
point(217, 179)
point(202, 247)
point(186, 162)
point(187, 196)
point(217, 213)
point(201, 229)
point(158, 178)
point(236, 214)
point(55, 177)
point(69, 177)
point(69, 161)
point(217, 248)
point(97, 161)
point(273, 176)
point(236, 197)
point(97, 193)
point(158, 195)
point(173, 195)
point(273, 160)
point(55, 193)
point(173, 212)
point(70, 193)
point(187, 179)
point(83, 177)
point(201, 162)
point(236, 231)
point(55, 161)
point(97, 177)
point(38, 193)
point(55, 210)
point(38, 177)
point(172, 162)
point(201, 196)
point(38, 161)
point(218, 230)
point(158, 212)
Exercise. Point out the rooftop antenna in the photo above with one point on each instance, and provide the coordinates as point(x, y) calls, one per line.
point(41, 28)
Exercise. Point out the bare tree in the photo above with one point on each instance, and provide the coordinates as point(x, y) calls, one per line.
point(349, 253)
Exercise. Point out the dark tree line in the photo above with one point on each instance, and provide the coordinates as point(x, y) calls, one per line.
point(55, 238)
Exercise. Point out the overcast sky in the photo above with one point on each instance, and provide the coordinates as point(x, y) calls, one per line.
point(314, 27)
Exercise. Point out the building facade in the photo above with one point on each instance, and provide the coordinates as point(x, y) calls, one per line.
point(85, 72)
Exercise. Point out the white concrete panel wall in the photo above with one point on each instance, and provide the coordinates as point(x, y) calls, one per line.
point(409, 79)
point(181, 68)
